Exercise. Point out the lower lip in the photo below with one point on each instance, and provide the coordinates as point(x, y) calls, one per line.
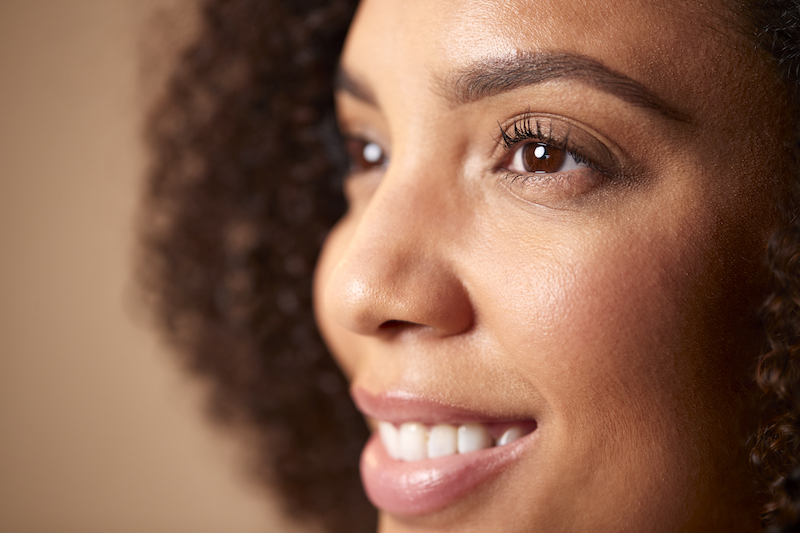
point(420, 487)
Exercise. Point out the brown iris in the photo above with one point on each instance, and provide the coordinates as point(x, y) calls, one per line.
point(364, 155)
point(542, 158)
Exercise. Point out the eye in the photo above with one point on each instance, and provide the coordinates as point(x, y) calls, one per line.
point(364, 155)
point(542, 158)
point(551, 161)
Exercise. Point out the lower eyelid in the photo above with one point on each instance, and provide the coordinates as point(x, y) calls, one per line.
point(358, 186)
point(558, 186)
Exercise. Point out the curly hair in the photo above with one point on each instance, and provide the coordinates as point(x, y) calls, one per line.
point(245, 182)
point(242, 191)
point(775, 27)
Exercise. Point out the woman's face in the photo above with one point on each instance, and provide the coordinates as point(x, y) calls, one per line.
point(557, 214)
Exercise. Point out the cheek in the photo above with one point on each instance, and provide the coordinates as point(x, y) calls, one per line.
point(592, 318)
point(627, 335)
point(661, 299)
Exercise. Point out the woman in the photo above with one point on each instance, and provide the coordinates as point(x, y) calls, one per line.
point(545, 290)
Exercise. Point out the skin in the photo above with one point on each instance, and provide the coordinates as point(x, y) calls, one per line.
point(614, 307)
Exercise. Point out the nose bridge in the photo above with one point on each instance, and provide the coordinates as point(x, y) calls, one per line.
point(397, 268)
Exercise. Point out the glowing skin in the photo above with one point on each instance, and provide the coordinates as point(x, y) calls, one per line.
point(610, 299)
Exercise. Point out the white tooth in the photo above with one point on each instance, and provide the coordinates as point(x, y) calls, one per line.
point(413, 442)
point(442, 440)
point(390, 438)
point(510, 435)
point(472, 437)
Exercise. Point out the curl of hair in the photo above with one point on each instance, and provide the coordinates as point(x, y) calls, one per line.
point(241, 193)
point(245, 184)
point(777, 446)
point(775, 26)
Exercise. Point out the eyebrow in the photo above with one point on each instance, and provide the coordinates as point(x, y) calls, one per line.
point(494, 76)
point(346, 82)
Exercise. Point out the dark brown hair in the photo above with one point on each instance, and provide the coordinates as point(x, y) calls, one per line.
point(243, 187)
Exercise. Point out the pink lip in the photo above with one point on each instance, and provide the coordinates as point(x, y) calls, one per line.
point(401, 406)
point(420, 487)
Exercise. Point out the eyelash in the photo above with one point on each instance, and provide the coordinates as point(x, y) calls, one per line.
point(529, 128)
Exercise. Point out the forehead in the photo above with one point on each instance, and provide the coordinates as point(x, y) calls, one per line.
point(684, 50)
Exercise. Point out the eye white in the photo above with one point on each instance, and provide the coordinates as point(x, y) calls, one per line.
point(518, 165)
point(372, 153)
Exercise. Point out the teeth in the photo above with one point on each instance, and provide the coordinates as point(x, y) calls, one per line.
point(442, 440)
point(510, 435)
point(415, 442)
point(390, 438)
point(473, 437)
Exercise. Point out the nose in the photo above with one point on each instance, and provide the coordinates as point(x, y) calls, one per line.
point(397, 266)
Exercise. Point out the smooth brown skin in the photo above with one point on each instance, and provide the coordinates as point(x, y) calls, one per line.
point(618, 312)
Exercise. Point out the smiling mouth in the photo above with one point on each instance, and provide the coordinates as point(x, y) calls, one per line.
point(415, 441)
point(426, 455)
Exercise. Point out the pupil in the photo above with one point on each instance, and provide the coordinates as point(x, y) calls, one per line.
point(372, 153)
point(542, 159)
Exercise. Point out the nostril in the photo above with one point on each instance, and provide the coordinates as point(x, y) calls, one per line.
point(394, 324)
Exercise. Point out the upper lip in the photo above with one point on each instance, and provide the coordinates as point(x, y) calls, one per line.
point(400, 406)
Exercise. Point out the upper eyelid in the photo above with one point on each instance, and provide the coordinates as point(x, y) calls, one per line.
point(362, 131)
point(511, 143)
point(510, 140)
point(522, 130)
point(591, 147)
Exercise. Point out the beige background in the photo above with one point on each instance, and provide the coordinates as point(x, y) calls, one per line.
point(99, 432)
